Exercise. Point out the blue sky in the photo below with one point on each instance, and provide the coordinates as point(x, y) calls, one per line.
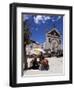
point(40, 24)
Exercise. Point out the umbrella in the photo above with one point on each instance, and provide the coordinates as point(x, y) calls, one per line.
point(37, 51)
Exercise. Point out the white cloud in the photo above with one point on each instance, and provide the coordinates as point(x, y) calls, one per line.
point(40, 18)
point(46, 17)
point(53, 20)
point(59, 17)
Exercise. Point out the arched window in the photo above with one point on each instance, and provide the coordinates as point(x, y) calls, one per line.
point(49, 39)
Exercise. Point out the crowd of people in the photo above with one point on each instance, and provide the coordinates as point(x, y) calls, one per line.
point(42, 64)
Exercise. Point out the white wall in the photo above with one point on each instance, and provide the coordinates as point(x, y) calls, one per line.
point(4, 43)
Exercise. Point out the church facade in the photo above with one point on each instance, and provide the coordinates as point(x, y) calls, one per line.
point(53, 42)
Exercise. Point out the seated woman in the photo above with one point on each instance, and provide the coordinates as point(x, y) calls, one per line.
point(34, 63)
point(44, 64)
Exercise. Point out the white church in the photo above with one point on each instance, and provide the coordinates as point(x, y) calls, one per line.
point(53, 41)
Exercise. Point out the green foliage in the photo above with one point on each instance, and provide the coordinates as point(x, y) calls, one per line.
point(27, 34)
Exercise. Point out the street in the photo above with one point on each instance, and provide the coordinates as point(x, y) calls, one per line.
point(56, 67)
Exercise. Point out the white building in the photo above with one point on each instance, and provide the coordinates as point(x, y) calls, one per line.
point(33, 45)
point(53, 40)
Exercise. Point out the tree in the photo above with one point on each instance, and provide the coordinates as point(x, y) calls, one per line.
point(27, 41)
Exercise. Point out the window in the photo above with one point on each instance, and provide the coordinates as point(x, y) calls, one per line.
point(49, 39)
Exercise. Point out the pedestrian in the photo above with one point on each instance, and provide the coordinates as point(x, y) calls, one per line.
point(44, 64)
point(34, 63)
